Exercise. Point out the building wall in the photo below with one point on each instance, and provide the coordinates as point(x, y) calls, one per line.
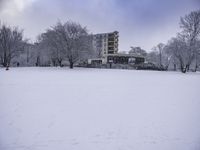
point(106, 43)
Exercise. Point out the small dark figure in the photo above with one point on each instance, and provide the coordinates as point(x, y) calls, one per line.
point(18, 64)
point(7, 67)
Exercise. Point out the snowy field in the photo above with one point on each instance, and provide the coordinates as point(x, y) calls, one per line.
point(98, 109)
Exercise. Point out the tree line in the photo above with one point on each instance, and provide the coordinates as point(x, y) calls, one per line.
point(69, 43)
point(181, 52)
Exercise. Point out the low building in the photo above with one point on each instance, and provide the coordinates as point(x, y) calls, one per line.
point(117, 59)
point(124, 59)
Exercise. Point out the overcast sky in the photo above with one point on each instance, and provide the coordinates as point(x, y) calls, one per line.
point(142, 23)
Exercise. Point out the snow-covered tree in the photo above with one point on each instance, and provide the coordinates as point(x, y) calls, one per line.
point(160, 50)
point(138, 51)
point(183, 50)
point(74, 39)
point(11, 44)
point(54, 46)
point(190, 25)
point(179, 50)
point(159, 56)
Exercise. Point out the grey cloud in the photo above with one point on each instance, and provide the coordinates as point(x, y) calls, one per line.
point(140, 22)
point(1, 4)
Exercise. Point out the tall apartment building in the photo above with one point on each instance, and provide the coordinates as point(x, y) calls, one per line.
point(106, 43)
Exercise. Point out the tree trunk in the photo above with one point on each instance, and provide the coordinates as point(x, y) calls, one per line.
point(37, 61)
point(160, 58)
point(196, 64)
point(195, 69)
point(27, 56)
point(166, 67)
point(187, 67)
point(71, 65)
point(183, 69)
point(54, 62)
point(182, 65)
point(5, 59)
point(174, 67)
point(4, 62)
point(7, 67)
point(60, 63)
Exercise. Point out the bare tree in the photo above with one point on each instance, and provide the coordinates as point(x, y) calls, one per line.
point(190, 25)
point(160, 48)
point(11, 44)
point(74, 38)
point(152, 57)
point(51, 41)
point(160, 56)
point(169, 57)
point(41, 57)
point(178, 49)
point(29, 53)
point(138, 51)
point(197, 56)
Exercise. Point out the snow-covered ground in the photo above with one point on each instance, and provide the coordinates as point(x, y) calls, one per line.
point(98, 109)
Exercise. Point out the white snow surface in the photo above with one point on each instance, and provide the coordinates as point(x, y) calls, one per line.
point(98, 109)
